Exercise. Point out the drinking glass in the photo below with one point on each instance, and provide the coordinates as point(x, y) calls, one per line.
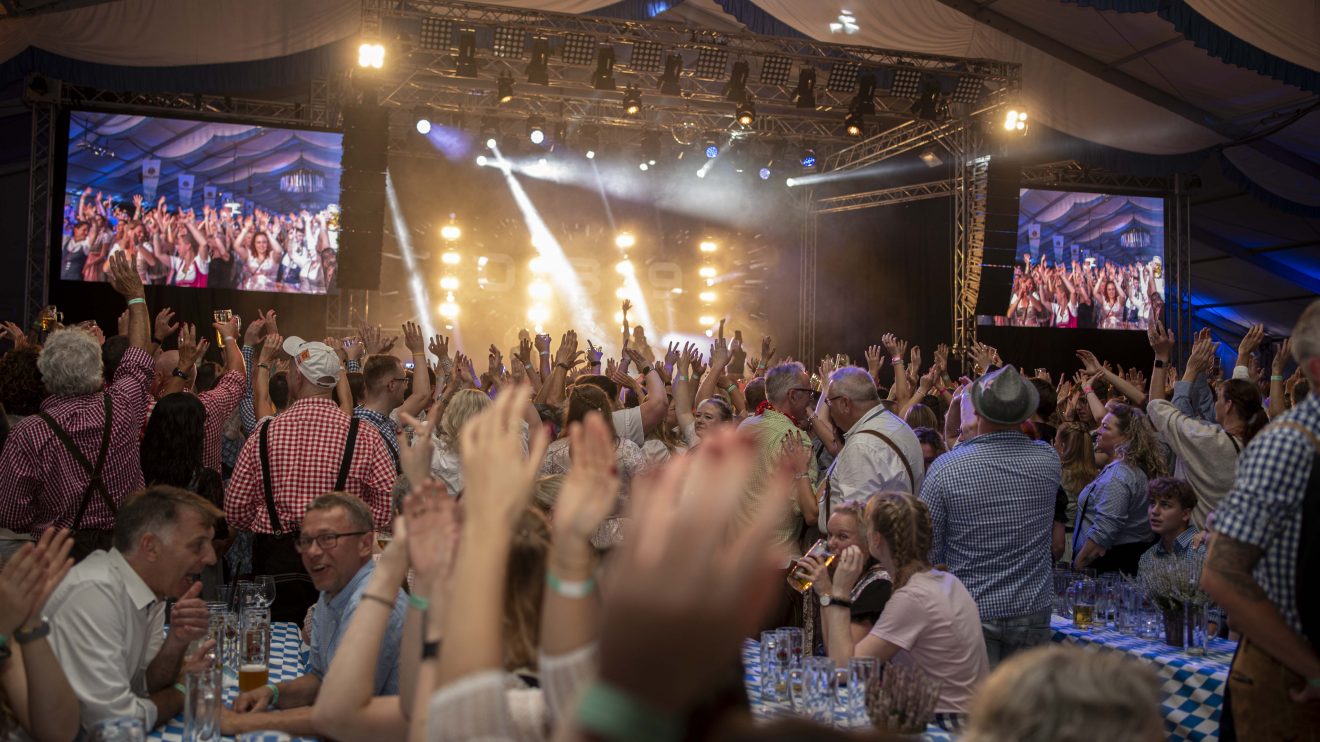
point(221, 315)
point(254, 649)
point(201, 705)
point(818, 681)
point(772, 667)
point(265, 586)
point(792, 639)
point(839, 704)
point(797, 689)
point(860, 672)
point(1084, 596)
point(244, 593)
point(799, 578)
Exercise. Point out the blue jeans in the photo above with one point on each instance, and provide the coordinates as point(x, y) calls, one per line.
point(1004, 636)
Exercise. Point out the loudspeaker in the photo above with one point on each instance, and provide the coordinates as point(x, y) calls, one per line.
point(362, 196)
point(999, 250)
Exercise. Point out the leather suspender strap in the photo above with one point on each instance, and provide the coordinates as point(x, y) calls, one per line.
point(95, 485)
point(267, 487)
point(912, 481)
point(347, 462)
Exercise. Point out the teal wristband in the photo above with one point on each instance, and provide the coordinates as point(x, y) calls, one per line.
point(180, 687)
point(138, 300)
point(1276, 377)
point(569, 589)
point(418, 602)
point(275, 694)
point(616, 715)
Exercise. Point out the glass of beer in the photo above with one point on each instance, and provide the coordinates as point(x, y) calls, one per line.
point(221, 315)
point(1084, 599)
point(254, 650)
point(799, 577)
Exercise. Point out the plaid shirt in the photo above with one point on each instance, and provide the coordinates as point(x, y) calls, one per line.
point(1111, 511)
point(1182, 549)
point(219, 403)
point(41, 484)
point(306, 447)
point(389, 432)
point(991, 504)
point(1264, 508)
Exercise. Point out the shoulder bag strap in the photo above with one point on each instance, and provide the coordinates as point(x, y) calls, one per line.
point(267, 487)
point(94, 483)
point(347, 462)
point(912, 481)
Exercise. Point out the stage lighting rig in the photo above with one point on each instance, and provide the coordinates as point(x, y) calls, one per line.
point(736, 90)
point(746, 113)
point(864, 101)
point(465, 64)
point(632, 100)
point(712, 149)
point(423, 118)
point(804, 96)
point(1015, 121)
point(808, 159)
point(852, 123)
point(538, 69)
point(669, 81)
point(603, 77)
point(504, 87)
point(536, 129)
point(931, 106)
point(371, 55)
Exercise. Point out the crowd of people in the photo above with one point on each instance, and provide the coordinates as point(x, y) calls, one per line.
point(587, 541)
point(1117, 296)
point(219, 248)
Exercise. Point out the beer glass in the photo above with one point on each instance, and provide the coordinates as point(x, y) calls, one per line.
point(860, 672)
point(818, 682)
point(254, 650)
point(1084, 598)
point(800, 577)
point(202, 704)
point(221, 315)
point(773, 665)
point(265, 590)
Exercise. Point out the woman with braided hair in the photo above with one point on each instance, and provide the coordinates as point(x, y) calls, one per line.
point(930, 620)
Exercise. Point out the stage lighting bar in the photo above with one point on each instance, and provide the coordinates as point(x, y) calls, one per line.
point(805, 94)
point(645, 56)
point(864, 101)
point(736, 90)
point(436, 34)
point(969, 90)
point(711, 63)
point(843, 77)
point(538, 70)
point(504, 87)
point(603, 77)
point(579, 49)
point(669, 81)
point(465, 63)
point(509, 42)
point(746, 113)
point(632, 101)
point(775, 70)
point(906, 83)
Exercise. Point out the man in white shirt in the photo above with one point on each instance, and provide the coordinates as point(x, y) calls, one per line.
point(880, 452)
point(108, 616)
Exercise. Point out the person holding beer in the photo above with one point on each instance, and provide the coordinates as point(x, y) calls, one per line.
point(335, 543)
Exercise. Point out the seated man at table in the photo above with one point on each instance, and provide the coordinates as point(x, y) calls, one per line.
point(107, 618)
point(336, 543)
point(1171, 502)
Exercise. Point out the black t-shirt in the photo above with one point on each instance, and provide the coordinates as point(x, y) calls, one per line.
point(1061, 507)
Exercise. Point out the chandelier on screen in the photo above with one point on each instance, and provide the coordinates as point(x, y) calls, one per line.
point(1135, 238)
point(302, 181)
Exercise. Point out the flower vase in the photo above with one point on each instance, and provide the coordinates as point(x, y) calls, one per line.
point(1175, 625)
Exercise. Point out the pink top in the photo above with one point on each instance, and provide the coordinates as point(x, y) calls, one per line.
point(934, 620)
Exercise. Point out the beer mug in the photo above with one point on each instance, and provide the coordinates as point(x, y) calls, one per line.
point(49, 318)
point(221, 315)
point(799, 577)
point(254, 650)
point(202, 704)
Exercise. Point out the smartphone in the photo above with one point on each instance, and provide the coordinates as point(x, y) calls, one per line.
point(409, 365)
point(348, 343)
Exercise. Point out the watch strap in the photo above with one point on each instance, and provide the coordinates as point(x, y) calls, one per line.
point(1160, 363)
point(40, 632)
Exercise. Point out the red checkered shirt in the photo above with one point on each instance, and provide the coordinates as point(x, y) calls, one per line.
point(306, 447)
point(41, 484)
point(219, 402)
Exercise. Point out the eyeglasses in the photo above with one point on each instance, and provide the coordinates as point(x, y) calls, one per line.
point(808, 390)
point(830, 400)
point(326, 541)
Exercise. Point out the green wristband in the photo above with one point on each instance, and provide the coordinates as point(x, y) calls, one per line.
point(138, 300)
point(180, 687)
point(275, 694)
point(616, 715)
point(418, 602)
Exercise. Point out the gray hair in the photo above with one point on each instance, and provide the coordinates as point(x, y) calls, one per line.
point(70, 363)
point(158, 509)
point(1066, 694)
point(854, 383)
point(780, 379)
point(1306, 334)
point(358, 512)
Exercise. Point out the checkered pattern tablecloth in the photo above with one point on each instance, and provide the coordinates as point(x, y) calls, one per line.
point(764, 709)
point(1193, 687)
point(288, 660)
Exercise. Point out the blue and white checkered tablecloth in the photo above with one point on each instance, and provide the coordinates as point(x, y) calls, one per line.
point(1193, 687)
point(288, 660)
point(764, 709)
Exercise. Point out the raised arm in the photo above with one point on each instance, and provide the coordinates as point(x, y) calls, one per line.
point(683, 405)
point(261, 404)
point(656, 404)
point(719, 361)
point(1161, 341)
point(1278, 404)
point(897, 349)
point(420, 398)
point(1095, 370)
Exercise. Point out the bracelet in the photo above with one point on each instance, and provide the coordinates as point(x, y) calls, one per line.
point(1088, 390)
point(564, 366)
point(180, 687)
point(545, 352)
point(616, 715)
point(418, 602)
point(681, 377)
point(896, 361)
point(803, 475)
point(378, 599)
point(430, 650)
point(646, 370)
point(569, 589)
point(1276, 377)
point(265, 366)
point(275, 694)
point(138, 300)
point(731, 389)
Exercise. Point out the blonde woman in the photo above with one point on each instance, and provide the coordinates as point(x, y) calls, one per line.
point(930, 620)
point(1077, 456)
point(445, 465)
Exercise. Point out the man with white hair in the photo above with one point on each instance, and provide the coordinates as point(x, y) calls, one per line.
point(880, 452)
point(72, 463)
point(1262, 561)
point(308, 450)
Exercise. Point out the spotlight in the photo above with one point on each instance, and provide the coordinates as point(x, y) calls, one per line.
point(449, 310)
point(712, 149)
point(707, 271)
point(482, 261)
point(746, 113)
point(804, 96)
point(481, 160)
point(790, 182)
point(852, 124)
point(707, 296)
point(625, 240)
point(450, 257)
point(708, 246)
point(371, 55)
point(930, 158)
point(706, 320)
point(491, 143)
point(539, 290)
point(449, 283)
point(624, 267)
point(764, 173)
point(669, 82)
point(465, 63)
point(591, 154)
point(504, 86)
point(450, 232)
point(538, 70)
point(536, 129)
point(632, 101)
point(808, 158)
point(538, 314)
point(736, 90)
point(603, 77)
point(423, 126)
point(864, 101)
point(588, 139)
point(1015, 120)
point(643, 166)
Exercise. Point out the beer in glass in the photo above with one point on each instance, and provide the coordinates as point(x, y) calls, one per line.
point(252, 676)
point(800, 577)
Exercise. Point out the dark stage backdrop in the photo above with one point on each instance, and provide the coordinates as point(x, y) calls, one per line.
point(1045, 347)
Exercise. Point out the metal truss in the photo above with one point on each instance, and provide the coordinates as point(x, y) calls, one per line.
point(886, 197)
point(968, 246)
point(1071, 174)
point(320, 110)
point(1178, 266)
point(807, 278)
point(345, 311)
point(40, 210)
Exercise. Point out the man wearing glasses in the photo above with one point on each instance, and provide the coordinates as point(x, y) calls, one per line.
point(336, 545)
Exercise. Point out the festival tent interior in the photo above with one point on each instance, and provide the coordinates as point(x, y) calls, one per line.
point(1225, 90)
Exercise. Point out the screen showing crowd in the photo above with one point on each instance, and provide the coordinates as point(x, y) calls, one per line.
point(1086, 260)
point(202, 204)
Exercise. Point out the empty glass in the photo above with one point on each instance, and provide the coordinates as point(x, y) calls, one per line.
point(774, 666)
point(792, 639)
point(860, 672)
point(818, 682)
point(202, 704)
point(265, 590)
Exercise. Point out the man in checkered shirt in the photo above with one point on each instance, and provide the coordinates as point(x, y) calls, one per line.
point(1253, 571)
point(306, 448)
point(43, 484)
point(386, 382)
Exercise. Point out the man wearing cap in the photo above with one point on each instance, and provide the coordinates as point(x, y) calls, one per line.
point(991, 503)
point(308, 450)
point(880, 452)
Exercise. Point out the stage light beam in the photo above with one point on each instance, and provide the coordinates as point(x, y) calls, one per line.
point(421, 303)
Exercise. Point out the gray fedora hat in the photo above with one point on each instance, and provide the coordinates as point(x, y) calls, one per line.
point(1004, 397)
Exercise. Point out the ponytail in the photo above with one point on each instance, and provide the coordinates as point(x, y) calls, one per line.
point(1247, 404)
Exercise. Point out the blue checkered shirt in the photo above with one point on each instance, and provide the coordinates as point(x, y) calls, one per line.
point(1264, 508)
point(1182, 549)
point(388, 430)
point(991, 506)
point(1112, 510)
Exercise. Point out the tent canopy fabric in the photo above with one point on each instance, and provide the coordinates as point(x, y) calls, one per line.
point(1228, 86)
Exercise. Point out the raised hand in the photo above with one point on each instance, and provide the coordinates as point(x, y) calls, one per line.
point(594, 354)
point(1251, 340)
point(1089, 363)
point(524, 348)
point(914, 358)
point(875, 358)
point(719, 352)
point(498, 477)
point(543, 344)
point(591, 485)
point(767, 349)
point(413, 339)
point(188, 346)
point(984, 355)
point(494, 362)
point(1202, 357)
point(124, 277)
point(942, 358)
point(433, 530)
point(439, 347)
point(827, 368)
point(794, 455)
point(19, 338)
point(1161, 340)
point(671, 355)
point(568, 354)
point(270, 349)
point(1281, 356)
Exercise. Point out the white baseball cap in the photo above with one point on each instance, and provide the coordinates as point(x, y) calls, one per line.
point(317, 362)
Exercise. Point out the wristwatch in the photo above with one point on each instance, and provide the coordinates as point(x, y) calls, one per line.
point(826, 601)
point(1159, 363)
point(180, 373)
point(42, 629)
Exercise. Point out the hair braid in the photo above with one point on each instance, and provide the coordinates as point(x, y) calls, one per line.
point(904, 522)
